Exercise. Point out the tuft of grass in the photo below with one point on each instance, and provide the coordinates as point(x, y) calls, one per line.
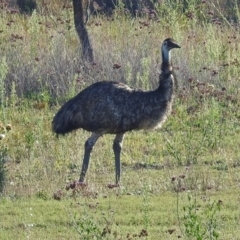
point(199, 227)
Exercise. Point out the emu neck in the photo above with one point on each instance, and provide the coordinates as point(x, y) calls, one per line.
point(166, 61)
point(166, 79)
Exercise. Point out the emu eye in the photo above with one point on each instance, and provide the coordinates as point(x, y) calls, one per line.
point(165, 43)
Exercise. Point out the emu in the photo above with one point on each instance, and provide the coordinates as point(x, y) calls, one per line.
point(109, 107)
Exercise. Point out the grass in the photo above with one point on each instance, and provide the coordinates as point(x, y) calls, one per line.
point(173, 179)
point(123, 216)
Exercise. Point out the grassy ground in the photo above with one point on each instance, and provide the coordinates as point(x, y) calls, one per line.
point(118, 215)
point(178, 182)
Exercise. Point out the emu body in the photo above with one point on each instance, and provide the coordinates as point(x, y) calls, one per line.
point(114, 108)
point(111, 107)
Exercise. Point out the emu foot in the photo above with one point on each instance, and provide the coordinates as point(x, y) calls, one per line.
point(113, 185)
point(76, 185)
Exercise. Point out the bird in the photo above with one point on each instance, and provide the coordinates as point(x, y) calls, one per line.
point(111, 107)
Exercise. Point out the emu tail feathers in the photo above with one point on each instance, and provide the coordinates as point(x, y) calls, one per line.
point(64, 121)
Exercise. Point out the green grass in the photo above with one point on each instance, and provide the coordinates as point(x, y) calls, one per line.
point(195, 154)
point(120, 213)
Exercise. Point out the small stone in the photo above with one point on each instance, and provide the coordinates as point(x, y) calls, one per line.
point(2, 136)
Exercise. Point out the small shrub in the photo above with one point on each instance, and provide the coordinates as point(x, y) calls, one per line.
point(87, 228)
point(201, 223)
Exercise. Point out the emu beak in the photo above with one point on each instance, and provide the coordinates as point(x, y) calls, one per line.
point(174, 45)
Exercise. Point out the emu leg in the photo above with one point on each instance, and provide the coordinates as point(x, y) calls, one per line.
point(88, 148)
point(117, 146)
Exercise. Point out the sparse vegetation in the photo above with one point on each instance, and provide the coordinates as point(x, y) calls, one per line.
point(195, 154)
point(201, 223)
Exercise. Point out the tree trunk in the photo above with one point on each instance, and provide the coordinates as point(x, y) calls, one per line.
point(87, 51)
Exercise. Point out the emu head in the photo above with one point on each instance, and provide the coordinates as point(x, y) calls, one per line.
point(167, 45)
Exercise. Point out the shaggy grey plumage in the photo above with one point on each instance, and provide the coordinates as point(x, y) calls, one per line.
point(114, 108)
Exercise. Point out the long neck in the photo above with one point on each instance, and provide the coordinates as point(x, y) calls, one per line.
point(166, 66)
point(166, 78)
